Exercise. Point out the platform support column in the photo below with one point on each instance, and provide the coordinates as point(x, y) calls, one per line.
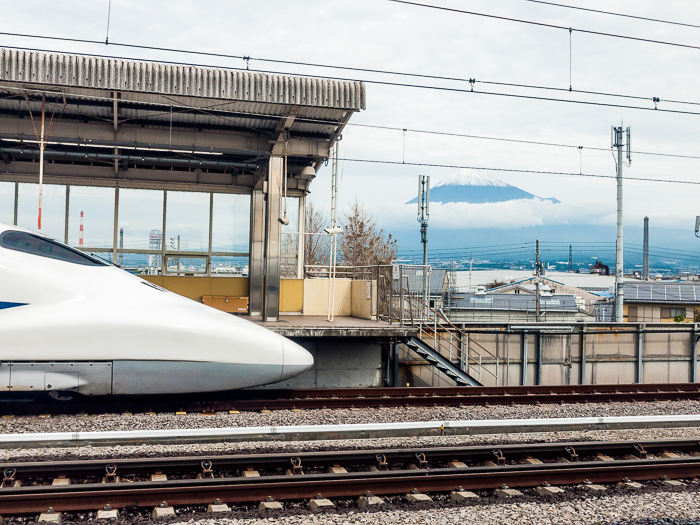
point(271, 289)
point(257, 244)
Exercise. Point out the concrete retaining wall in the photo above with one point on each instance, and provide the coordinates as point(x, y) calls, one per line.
point(339, 364)
point(625, 353)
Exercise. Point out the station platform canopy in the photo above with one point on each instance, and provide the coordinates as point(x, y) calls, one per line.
point(159, 143)
point(110, 120)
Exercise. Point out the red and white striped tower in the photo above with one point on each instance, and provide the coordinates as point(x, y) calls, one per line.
point(80, 242)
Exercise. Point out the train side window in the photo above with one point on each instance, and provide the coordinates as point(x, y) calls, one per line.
point(43, 247)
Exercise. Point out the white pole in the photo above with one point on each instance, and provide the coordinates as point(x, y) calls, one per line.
point(334, 238)
point(619, 288)
point(41, 156)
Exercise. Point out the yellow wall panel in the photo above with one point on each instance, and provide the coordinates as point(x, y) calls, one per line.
point(291, 295)
point(229, 286)
point(196, 287)
point(192, 287)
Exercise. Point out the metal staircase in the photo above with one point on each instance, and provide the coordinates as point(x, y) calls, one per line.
point(440, 362)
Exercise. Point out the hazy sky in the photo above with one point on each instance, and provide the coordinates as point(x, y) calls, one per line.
point(378, 34)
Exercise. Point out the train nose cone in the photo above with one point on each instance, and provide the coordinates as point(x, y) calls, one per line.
point(296, 360)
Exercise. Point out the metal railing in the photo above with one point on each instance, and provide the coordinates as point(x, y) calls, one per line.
point(319, 271)
point(467, 353)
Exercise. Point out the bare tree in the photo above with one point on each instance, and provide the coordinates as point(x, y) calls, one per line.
point(316, 247)
point(362, 242)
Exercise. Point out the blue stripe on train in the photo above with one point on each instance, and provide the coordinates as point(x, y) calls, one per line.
point(10, 305)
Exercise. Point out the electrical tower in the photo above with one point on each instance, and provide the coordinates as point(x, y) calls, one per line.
point(571, 260)
point(619, 142)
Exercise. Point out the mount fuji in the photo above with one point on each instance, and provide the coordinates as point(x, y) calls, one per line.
point(466, 186)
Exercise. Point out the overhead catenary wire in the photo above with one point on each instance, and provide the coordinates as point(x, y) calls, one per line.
point(516, 170)
point(623, 15)
point(247, 60)
point(181, 106)
point(544, 24)
point(438, 88)
point(489, 168)
point(519, 141)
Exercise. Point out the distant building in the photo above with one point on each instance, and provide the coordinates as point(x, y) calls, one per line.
point(485, 307)
point(663, 302)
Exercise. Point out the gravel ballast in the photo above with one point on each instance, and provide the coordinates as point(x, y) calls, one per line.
point(168, 421)
point(651, 505)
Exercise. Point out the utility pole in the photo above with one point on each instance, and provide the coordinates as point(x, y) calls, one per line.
point(645, 253)
point(571, 260)
point(618, 141)
point(424, 212)
point(423, 216)
point(333, 230)
point(537, 280)
point(42, 146)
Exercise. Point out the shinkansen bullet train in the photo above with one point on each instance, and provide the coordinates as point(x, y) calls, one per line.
point(70, 322)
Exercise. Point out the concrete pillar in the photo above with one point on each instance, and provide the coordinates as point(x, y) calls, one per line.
point(640, 355)
point(256, 267)
point(271, 293)
point(583, 355)
point(694, 355)
point(538, 371)
point(523, 369)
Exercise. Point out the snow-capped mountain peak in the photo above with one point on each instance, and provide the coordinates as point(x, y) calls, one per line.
point(465, 177)
point(476, 188)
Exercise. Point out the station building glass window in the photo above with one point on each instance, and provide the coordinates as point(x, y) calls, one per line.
point(187, 221)
point(290, 240)
point(189, 216)
point(97, 205)
point(141, 218)
point(53, 214)
point(7, 202)
point(230, 233)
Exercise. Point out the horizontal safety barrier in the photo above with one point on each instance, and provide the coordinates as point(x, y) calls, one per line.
point(354, 431)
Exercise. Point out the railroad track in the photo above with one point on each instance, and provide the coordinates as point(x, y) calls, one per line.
point(255, 400)
point(147, 482)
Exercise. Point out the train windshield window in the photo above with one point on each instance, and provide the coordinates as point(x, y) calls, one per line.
point(43, 247)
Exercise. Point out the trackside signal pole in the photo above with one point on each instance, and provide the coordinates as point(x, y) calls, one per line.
point(618, 141)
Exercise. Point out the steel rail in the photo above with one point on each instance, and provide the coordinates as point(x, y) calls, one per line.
point(344, 431)
point(426, 477)
point(360, 398)
point(96, 467)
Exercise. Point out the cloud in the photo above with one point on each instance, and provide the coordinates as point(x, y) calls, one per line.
point(511, 214)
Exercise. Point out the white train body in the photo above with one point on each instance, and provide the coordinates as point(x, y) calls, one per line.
point(71, 323)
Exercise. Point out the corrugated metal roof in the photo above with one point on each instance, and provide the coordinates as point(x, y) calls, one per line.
point(91, 72)
point(513, 302)
point(669, 293)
